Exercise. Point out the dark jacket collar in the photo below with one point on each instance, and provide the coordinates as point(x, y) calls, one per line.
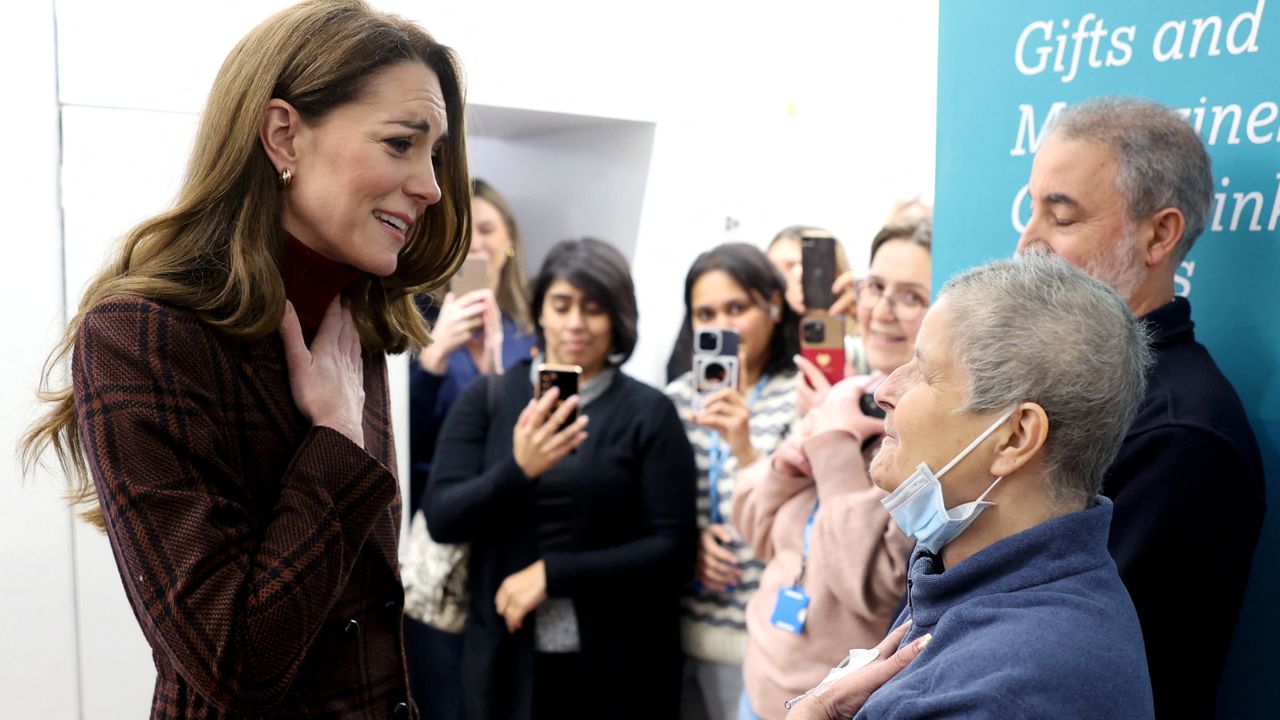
point(1171, 323)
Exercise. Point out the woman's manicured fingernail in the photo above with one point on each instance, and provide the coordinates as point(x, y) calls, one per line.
point(924, 641)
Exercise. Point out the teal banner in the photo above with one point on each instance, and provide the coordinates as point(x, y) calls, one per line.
point(1006, 67)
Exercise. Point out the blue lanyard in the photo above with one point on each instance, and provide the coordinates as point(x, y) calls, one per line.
point(808, 536)
point(718, 455)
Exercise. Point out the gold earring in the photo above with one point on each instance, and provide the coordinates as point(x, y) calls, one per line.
point(511, 252)
point(286, 177)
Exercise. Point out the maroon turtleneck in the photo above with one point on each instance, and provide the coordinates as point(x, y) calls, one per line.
point(311, 281)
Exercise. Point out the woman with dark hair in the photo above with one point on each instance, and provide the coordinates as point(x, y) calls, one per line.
point(228, 383)
point(580, 542)
point(733, 287)
point(481, 332)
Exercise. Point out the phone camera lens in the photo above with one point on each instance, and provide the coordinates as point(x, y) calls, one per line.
point(813, 331)
point(714, 373)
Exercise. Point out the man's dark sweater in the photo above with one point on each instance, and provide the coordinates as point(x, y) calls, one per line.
point(1188, 492)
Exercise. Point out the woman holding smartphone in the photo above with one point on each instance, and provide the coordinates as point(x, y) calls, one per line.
point(481, 328)
point(475, 332)
point(732, 287)
point(582, 535)
point(811, 512)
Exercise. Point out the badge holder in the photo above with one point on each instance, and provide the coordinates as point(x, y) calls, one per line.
point(792, 606)
point(791, 609)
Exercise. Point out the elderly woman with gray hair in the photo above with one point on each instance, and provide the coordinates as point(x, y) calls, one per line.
point(1026, 374)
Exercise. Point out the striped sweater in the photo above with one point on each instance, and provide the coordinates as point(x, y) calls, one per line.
point(713, 625)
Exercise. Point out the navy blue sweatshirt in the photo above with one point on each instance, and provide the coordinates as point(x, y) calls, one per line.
point(1035, 625)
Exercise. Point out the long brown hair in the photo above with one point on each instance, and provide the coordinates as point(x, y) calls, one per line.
point(513, 285)
point(216, 251)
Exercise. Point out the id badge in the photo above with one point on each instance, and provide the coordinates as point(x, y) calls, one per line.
point(790, 610)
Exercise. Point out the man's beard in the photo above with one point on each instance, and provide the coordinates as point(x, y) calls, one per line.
point(1121, 267)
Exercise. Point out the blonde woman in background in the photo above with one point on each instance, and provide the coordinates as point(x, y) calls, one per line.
point(481, 332)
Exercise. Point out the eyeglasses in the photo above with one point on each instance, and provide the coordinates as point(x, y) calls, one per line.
point(904, 303)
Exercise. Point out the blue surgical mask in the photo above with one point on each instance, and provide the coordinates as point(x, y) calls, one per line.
point(917, 505)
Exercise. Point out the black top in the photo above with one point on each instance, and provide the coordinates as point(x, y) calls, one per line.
point(1188, 492)
point(614, 523)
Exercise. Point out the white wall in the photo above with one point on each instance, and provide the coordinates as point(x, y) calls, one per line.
point(823, 114)
point(570, 183)
point(38, 671)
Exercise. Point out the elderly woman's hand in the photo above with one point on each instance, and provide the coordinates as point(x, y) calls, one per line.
point(840, 410)
point(327, 378)
point(848, 694)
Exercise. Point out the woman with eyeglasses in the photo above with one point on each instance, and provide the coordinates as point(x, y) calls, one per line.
point(835, 564)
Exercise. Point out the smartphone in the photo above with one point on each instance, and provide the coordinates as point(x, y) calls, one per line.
point(473, 275)
point(715, 363)
point(822, 343)
point(564, 377)
point(818, 267)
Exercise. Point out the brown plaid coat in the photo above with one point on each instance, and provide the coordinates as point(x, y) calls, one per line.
point(258, 552)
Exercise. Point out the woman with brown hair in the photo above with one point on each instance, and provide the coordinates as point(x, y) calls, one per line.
point(244, 476)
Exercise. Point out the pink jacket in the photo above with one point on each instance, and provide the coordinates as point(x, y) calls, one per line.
point(856, 569)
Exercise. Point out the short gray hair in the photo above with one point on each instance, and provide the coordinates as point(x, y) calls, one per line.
point(1037, 329)
point(1162, 162)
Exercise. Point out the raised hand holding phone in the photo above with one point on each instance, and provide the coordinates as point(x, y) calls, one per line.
point(460, 318)
point(728, 412)
point(841, 410)
point(547, 430)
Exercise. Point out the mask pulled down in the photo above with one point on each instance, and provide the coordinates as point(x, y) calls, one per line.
point(918, 508)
